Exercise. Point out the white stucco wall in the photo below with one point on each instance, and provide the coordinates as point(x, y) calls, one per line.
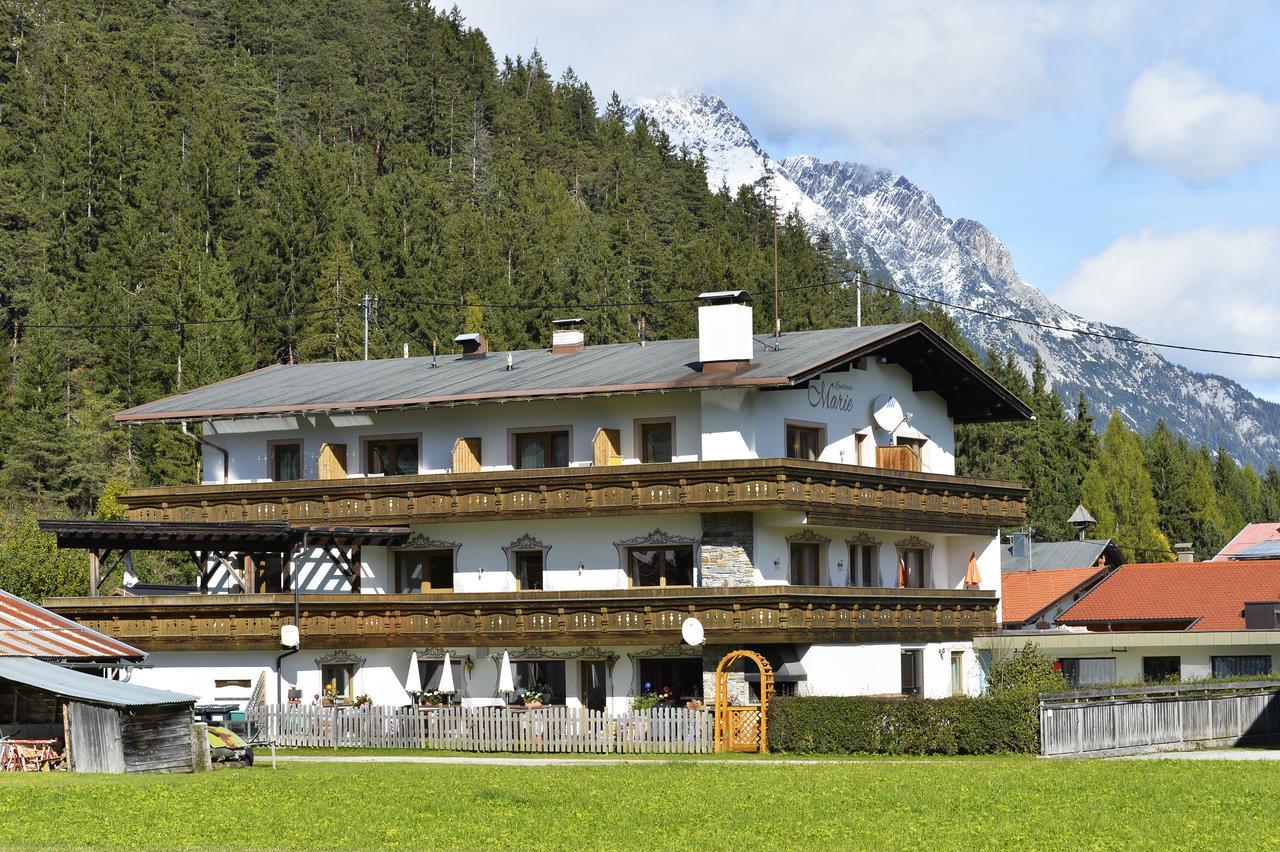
point(712, 425)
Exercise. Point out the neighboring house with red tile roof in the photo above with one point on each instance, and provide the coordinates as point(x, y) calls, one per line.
point(1187, 620)
point(1176, 596)
point(1255, 541)
point(1033, 599)
point(28, 630)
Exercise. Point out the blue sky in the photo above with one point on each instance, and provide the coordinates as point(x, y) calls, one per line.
point(1127, 152)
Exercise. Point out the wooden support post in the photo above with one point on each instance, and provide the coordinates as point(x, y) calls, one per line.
point(354, 567)
point(95, 564)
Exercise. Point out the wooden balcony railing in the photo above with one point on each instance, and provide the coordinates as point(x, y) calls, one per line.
point(620, 617)
point(837, 494)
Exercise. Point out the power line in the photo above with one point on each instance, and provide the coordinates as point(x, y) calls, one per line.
point(1053, 327)
point(181, 323)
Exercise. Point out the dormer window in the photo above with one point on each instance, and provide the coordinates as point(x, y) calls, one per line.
point(391, 456)
point(541, 449)
point(805, 441)
point(286, 461)
point(657, 440)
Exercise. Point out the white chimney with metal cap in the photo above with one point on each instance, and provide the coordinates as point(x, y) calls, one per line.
point(567, 336)
point(724, 329)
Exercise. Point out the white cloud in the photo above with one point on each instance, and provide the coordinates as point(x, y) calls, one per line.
point(882, 73)
point(1208, 287)
point(1175, 118)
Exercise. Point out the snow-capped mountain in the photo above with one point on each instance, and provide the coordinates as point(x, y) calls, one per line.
point(894, 228)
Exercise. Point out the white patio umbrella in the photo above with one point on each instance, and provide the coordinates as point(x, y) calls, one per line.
point(413, 683)
point(505, 683)
point(446, 677)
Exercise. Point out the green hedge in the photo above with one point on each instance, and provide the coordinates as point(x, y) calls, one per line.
point(904, 725)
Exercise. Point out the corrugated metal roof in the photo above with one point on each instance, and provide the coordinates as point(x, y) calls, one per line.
point(27, 630)
point(95, 690)
point(612, 368)
point(1261, 550)
point(1054, 555)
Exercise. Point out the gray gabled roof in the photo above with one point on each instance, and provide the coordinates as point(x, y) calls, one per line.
point(971, 394)
point(84, 687)
point(1054, 555)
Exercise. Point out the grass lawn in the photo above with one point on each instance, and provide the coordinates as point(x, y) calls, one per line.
point(940, 803)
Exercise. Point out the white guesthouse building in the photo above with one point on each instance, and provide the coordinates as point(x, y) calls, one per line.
point(572, 507)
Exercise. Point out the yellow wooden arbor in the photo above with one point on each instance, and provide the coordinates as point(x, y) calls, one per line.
point(742, 727)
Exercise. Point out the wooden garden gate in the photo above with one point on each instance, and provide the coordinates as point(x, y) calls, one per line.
point(742, 727)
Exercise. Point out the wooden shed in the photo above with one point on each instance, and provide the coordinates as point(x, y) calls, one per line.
point(105, 725)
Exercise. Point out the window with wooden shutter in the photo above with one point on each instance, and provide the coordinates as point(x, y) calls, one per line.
point(466, 455)
point(333, 461)
point(607, 447)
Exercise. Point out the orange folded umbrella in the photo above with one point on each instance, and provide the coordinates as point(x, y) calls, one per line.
point(971, 576)
point(902, 574)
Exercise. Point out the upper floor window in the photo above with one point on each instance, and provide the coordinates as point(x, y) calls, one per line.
point(391, 456)
point(657, 441)
point(286, 461)
point(804, 563)
point(663, 565)
point(913, 565)
point(804, 442)
point(529, 566)
point(541, 449)
point(864, 559)
point(424, 570)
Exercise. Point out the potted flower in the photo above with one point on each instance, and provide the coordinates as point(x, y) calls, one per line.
point(431, 698)
point(330, 695)
point(532, 698)
point(362, 702)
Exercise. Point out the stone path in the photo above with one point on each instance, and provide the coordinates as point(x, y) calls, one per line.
point(1209, 754)
point(265, 756)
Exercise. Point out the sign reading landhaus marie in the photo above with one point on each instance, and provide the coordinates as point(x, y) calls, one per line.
point(831, 395)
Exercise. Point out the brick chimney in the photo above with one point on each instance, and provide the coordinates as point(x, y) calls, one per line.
point(473, 345)
point(724, 330)
point(567, 336)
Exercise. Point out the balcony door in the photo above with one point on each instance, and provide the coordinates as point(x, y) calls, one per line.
point(805, 563)
point(528, 566)
point(592, 688)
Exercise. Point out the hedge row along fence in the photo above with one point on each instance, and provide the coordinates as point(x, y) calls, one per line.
point(840, 725)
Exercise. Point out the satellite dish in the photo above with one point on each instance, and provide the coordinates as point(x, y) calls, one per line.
point(691, 631)
point(887, 412)
point(289, 635)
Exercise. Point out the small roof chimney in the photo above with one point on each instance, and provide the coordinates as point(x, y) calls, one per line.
point(473, 345)
point(567, 336)
point(725, 339)
point(1185, 551)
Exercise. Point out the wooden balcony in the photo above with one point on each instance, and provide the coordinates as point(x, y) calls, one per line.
point(648, 617)
point(837, 494)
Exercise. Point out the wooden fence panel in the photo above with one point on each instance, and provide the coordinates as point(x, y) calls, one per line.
point(1125, 721)
point(572, 730)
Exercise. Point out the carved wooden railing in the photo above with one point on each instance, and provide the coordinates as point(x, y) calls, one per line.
point(830, 493)
point(624, 616)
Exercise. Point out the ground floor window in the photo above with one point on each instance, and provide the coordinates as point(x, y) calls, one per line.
point(544, 676)
point(683, 677)
point(1161, 669)
point(912, 672)
point(957, 672)
point(1092, 671)
point(432, 671)
point(1241, 665)
point(337, 679)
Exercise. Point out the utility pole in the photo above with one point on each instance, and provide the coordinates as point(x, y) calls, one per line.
point(777, 317)
point(364, 304)
point(859, 281)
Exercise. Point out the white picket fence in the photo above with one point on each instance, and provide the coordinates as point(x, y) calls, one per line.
point(663, 730)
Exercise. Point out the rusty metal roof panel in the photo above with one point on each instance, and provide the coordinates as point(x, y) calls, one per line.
point(27, 630)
